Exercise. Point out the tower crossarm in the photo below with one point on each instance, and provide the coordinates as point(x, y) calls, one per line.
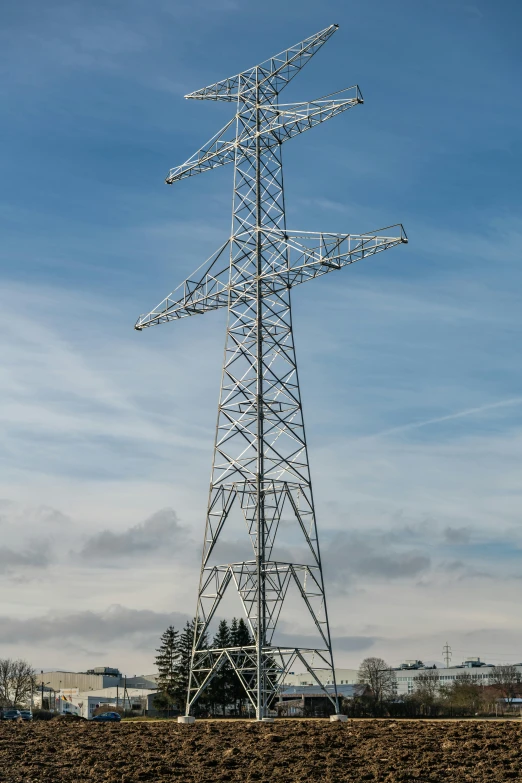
point(274, 73)
point(287, 120)
point(216, 152)
point(206, 289)
point(309, 255)
point(279, 123)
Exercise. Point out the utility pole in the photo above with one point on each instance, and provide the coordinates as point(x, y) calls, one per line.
point(260, 465)
point(446, 653)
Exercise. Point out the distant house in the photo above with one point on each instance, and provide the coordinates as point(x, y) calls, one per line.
point(310, 700)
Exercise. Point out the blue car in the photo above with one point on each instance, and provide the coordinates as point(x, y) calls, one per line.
point(11, 715)
point(108, 716)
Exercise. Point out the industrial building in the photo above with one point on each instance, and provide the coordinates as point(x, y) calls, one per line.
point(93, 680)
point(406, 674)
point(342, 677)
point(480, 672)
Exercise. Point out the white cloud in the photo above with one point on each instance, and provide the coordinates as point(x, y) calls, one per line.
point(161, 535)
point(35, 556)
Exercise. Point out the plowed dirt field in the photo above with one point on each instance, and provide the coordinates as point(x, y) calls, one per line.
point(281, 752)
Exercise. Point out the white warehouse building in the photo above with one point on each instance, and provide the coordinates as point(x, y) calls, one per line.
point(480, 672)
point(342, 677)
point(85, 704)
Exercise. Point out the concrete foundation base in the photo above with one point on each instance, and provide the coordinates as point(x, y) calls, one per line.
point(186, 719)
point(268, 720)
point(338, 718)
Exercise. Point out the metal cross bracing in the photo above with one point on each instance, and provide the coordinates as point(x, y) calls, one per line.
point(260, 460)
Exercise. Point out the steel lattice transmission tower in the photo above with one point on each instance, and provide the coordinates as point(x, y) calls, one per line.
point(260, 455)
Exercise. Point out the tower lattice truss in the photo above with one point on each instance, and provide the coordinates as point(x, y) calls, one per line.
point(260, 468)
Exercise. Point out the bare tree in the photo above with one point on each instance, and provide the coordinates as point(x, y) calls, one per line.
point(463, 695)
point(379, 677)
point(508, 681)
point(427, 687)
point(17, 682)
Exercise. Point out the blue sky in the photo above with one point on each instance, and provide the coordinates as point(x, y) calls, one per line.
point(409, 365)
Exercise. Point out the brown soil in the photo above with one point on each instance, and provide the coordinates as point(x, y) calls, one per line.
point(282, 752)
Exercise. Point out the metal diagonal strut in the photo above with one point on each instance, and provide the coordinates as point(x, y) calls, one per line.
point(260, 468)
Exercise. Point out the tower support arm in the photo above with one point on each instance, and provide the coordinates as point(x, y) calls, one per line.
point(272, 74)
point(310, 255)
point(216, 152)
point(288, 120)
point(279, 122)
point(224, 90)
point(313, 254)
point(206, 289)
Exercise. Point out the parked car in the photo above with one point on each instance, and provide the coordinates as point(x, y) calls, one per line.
point(26, 714)
point(108, 716)
point(11, 715)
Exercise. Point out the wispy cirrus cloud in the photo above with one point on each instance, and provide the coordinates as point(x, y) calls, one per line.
point(66, 389)
point(477, 411)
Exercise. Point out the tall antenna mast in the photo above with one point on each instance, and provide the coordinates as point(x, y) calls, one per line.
point(260, 460)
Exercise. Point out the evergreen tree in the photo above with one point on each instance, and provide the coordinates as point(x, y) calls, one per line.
point(183, 666)
point(239, 637)
point(220, 690)
point(233, 632)
point(173, 664)
point(167, 661)
point(243, 639)
point(186, 641)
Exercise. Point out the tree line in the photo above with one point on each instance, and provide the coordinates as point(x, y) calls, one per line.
point(173, 664)
point(376, 697)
